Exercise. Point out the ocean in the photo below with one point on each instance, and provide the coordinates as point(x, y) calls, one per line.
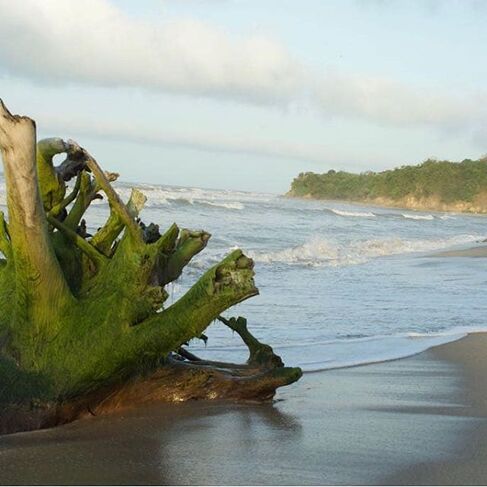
point(340, 284)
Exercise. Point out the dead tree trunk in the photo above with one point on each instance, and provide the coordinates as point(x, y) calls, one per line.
point(83, 326)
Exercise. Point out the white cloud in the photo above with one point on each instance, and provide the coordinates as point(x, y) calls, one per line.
point(91, 41)
point(95, 43)
point(202, 141)
point(392, 102)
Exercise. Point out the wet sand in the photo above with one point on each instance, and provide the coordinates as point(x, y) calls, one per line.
point(469, 464)
point(415, 420)
point(478, 251)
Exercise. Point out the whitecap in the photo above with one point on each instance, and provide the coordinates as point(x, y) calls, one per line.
point(319, 251)
point(418, 217)
point(231, 205)
point(365, 214)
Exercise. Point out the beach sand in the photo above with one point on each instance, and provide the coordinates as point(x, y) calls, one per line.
point(415, 420)
point(469, 464)
point(478, 251)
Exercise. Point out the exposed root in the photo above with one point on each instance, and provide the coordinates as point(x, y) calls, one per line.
point(174, 382)
point(261, 354)
point(83, 329)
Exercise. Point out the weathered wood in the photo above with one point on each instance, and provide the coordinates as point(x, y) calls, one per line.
point(83, 328)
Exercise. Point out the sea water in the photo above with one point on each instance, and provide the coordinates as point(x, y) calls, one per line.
point(340, 284)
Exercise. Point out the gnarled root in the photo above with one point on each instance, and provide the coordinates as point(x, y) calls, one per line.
point(177, 381)
point(181, 381)
point(83, 322)
point(183, 377)
point(193, 378)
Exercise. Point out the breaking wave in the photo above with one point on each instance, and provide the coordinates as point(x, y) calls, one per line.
point(447, 217)
point(365, 214)
point(411, 216)
point(231, 205)
point(322, 252)
point(174, 196)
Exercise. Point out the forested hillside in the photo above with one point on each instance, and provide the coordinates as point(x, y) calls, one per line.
point(440, 185)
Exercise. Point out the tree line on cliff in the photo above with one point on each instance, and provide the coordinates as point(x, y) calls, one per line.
point(448, 182)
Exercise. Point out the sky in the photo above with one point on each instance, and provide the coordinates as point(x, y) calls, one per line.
point(246, 94)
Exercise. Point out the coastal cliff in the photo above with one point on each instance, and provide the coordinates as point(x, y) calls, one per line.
point(432, 185)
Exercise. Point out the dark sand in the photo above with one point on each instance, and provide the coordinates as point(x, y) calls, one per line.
point(416, 420)
point(469, 464)
point(478, 251)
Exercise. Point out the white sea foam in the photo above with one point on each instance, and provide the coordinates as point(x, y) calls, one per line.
point(352, 353)
point(348, 352)
point(447, 217)
point(231, 205)
point(412, 216)
point(365, 214)
point(362, 351)
point(320, 251)
point(174, 196)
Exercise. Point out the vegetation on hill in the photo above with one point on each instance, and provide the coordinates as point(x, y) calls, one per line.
point(441, 185)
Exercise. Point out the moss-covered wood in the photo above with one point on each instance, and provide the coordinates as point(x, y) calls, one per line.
point(83, 318)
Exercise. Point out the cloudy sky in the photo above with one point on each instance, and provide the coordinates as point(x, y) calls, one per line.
point(245, 94)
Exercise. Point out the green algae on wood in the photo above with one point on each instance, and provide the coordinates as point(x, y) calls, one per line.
point(83, 317)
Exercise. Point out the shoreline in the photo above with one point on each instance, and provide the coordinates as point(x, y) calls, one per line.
point(390, 204)
point(407, 421)
point(474, 252)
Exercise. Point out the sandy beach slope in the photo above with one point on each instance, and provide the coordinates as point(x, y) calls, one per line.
point(468, 466)
point(415, 420)
point(477, 251)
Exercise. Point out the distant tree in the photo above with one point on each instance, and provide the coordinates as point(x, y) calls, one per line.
point(448, 182)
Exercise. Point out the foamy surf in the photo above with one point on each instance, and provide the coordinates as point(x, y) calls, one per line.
point(363, 214)
point(349, 352)
point(319, 251)
point(412, 216)
point(376, 349)
point(156, 199)
point(163, 196)
point(231, 205)
point(353, 353)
